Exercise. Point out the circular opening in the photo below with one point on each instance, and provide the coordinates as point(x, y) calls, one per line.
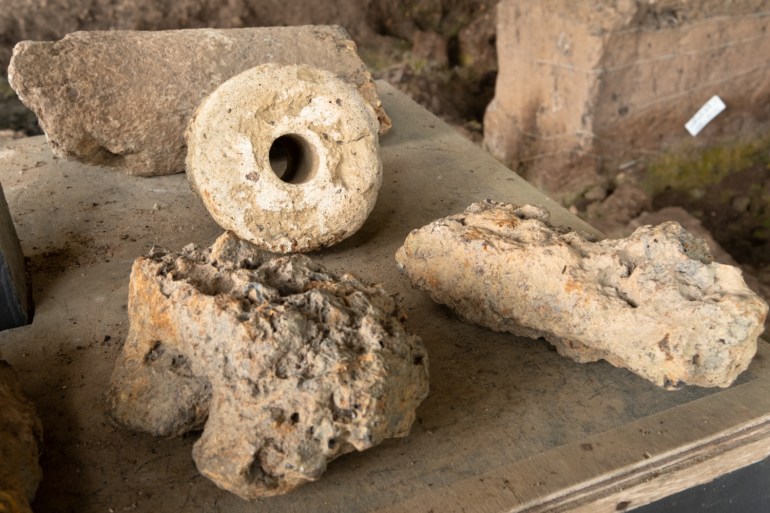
point(292, 159)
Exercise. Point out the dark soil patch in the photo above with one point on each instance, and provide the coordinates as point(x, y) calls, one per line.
point(736, 211)
point(13, 114)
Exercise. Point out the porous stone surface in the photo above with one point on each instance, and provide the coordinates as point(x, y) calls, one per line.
point(285, 365)
point(332, 171)
point(654, 303)
point(21, 439)
point(690, 223)
point(586, 89)
point(124, 98)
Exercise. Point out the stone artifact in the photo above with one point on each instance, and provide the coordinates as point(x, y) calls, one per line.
point(285, 365)
point(21, 440)
point(654, 303)
point(286, 157)
point(124, 98)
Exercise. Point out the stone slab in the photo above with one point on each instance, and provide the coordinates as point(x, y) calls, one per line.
point(124, 98)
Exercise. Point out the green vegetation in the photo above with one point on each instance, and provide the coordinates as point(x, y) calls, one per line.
point(380, 57)
point(691, 169)
point(5, 90)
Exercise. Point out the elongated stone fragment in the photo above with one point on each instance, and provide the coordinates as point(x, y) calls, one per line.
point(124, 98)
point(654, 303)
point(286, 365)
point(21, 437)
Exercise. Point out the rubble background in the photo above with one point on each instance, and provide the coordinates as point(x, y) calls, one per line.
point(443, 54)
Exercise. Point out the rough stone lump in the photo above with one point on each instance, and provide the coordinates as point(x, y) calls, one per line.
point(285, 365)
point(21, 440)
point(123, 98)
point(654, 303)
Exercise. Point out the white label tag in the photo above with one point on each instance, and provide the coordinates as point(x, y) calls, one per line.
point(703, 117)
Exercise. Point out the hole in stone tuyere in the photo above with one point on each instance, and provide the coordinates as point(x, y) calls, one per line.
point(293, 159)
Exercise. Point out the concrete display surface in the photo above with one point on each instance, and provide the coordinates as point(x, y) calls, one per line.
point(509, 425)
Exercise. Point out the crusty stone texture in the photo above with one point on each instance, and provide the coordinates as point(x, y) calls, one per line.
point(653, 303)
point(586, 88)
point(333, 172)
point(21, 439)
point(124, 98)
point(690, 223)
point(286, 365)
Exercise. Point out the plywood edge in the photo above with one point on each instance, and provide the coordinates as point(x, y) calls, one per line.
point(702, 440)
point(663, 475)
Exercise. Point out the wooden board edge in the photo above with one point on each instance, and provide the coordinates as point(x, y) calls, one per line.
point(665, 475)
